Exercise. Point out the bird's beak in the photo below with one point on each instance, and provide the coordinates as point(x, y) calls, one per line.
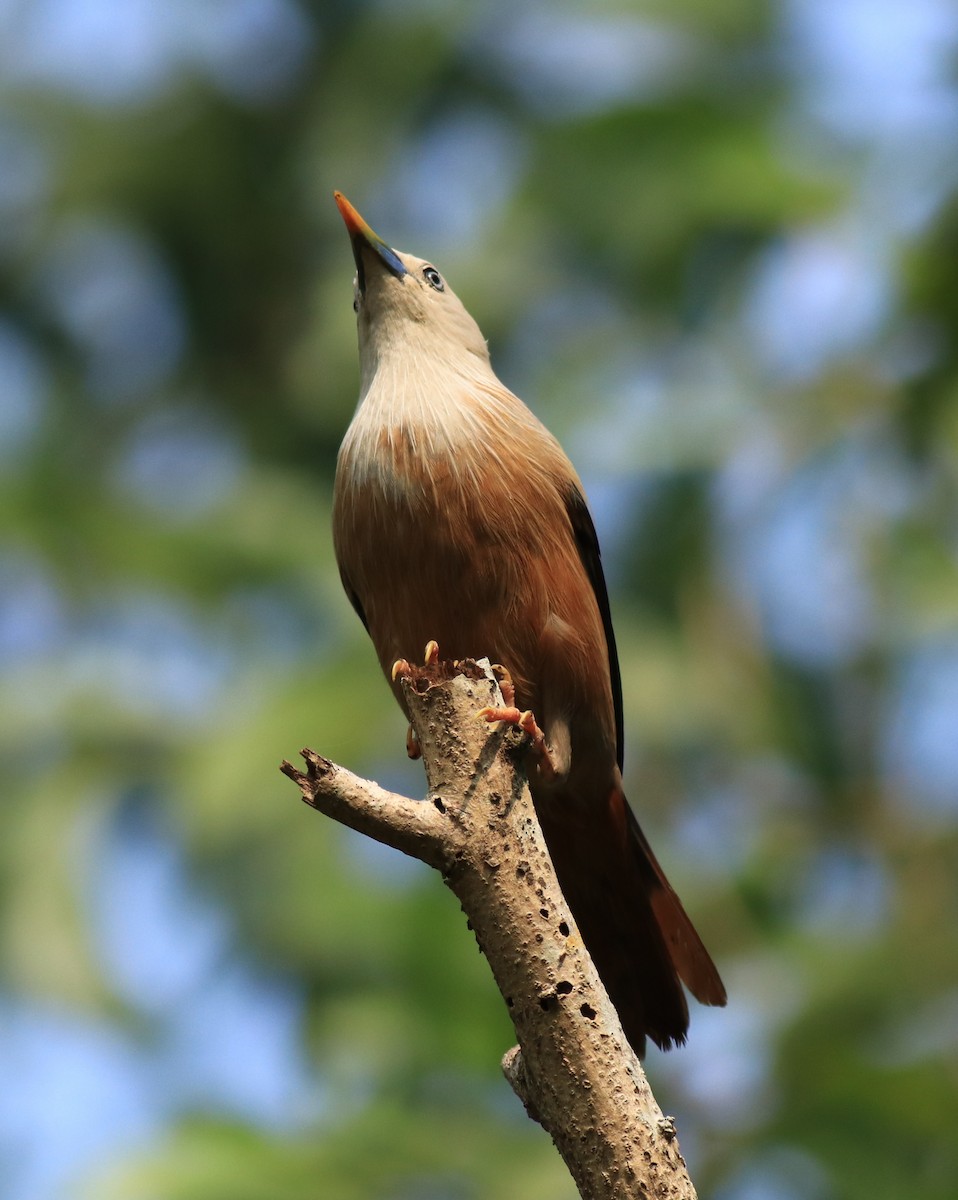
point(362, 237)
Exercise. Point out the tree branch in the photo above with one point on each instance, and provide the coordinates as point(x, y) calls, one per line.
point(573, 1068)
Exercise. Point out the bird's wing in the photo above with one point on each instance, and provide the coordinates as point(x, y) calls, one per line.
point(354, 600)
point(588, 546)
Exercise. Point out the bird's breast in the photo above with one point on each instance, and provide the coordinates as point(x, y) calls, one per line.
point(402, 468)
point(430, 540)
point(414, 506)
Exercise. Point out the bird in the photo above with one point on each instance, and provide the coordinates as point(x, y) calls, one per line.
point(458, 520)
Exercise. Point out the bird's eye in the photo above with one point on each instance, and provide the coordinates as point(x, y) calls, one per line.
point(433, 278)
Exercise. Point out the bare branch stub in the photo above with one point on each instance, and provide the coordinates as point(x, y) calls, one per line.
point(407, 825)
point(317, 770)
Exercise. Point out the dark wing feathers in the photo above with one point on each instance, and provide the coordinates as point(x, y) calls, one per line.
point(588, 545)
point(354, 600)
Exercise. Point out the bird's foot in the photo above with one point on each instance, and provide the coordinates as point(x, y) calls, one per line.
point(432, 669)
point(506, 686)
point(510, 715)
point(402, 666)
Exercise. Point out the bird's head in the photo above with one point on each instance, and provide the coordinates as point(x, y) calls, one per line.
point(403, 304)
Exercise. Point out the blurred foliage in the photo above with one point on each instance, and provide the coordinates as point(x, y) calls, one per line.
point(726, 284)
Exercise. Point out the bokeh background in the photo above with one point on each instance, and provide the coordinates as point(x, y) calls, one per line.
point(715, 247)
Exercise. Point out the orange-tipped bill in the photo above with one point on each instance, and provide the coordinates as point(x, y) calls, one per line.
point(362, 237)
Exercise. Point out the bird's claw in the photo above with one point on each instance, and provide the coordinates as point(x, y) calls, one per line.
point(525, 721)
point(402, 666)
point(506, 686)
point(507, 712)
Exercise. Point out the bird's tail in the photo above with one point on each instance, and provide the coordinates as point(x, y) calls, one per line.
point(633, 924)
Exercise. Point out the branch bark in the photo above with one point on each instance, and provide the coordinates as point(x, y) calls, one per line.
point(573, 1068)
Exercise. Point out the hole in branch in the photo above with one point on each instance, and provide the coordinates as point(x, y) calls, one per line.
point(563, 928)
point(588, 1012)
point(439, 804)
point(564, 987)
